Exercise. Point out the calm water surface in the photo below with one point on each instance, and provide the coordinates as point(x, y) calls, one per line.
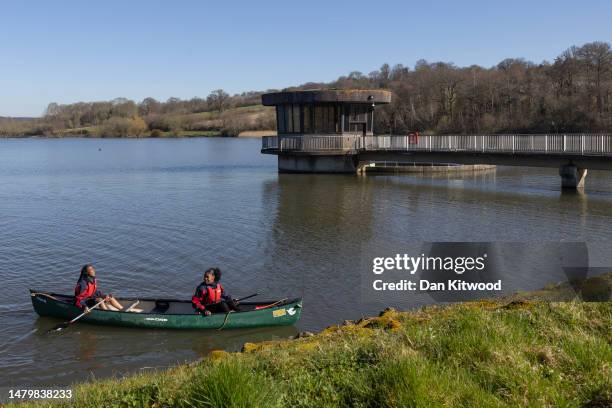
point(152, 214)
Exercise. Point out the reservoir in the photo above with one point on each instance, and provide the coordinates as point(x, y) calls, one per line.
point(152, 214)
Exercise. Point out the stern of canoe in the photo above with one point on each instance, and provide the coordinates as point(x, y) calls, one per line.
point(48, 305)
point(282, 315)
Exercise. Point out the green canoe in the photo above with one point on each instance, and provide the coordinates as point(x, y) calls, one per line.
point(171, 314)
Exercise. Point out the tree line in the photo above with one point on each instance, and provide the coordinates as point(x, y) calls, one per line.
point(570, 94)
point(219, 113)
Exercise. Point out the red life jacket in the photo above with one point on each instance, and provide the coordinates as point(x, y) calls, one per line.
point(214, 294)
point(207, 295)
point(84, 290)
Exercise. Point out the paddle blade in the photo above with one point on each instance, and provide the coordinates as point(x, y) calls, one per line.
point(58, 328)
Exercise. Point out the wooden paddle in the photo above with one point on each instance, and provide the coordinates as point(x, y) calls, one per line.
point(247, 297)
point(270, 305)
point(65, 325)
point(237, 301)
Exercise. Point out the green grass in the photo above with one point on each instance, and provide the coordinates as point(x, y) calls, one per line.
point(229, 384)
point(490, 353)
point(196, 116)
point(88, 130)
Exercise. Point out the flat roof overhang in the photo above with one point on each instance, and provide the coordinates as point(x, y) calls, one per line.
point(377, 96)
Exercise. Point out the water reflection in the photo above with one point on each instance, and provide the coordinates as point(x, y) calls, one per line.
point(102, 351)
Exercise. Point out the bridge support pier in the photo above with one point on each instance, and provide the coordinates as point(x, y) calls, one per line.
point(316, 164)
point(572, 177)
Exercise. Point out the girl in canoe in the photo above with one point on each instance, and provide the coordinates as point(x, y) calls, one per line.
point(210, 296)
point(86, 292)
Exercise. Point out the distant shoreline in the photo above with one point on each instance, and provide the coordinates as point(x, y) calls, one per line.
point(248, 134)
point(127, 120)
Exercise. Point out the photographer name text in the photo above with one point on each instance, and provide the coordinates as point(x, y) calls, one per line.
point(424, 284)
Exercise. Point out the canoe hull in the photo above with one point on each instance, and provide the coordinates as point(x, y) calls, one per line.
point(283, 314)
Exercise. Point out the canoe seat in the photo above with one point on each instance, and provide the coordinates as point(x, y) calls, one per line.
point(161, 306)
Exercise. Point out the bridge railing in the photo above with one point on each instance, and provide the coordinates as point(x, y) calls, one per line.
point(312, 143)
point(269, 142)
point(582, 144)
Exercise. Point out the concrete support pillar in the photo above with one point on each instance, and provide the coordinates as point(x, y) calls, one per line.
point(317, 164)
point(572, 177)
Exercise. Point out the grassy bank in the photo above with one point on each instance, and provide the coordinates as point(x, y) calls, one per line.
point(512, 352)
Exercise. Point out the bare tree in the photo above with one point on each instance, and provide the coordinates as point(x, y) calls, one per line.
point(218, 99)
point(149, 106)
point(597, 58)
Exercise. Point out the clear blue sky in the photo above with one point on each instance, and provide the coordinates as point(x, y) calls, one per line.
point(69, 51)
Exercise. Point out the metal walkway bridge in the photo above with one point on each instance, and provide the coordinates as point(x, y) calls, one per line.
point(571, 153)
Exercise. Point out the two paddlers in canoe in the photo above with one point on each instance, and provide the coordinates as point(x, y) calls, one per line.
point(209, 297)
point(212, 308)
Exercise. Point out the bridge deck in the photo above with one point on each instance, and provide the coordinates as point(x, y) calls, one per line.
point(543, 144)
